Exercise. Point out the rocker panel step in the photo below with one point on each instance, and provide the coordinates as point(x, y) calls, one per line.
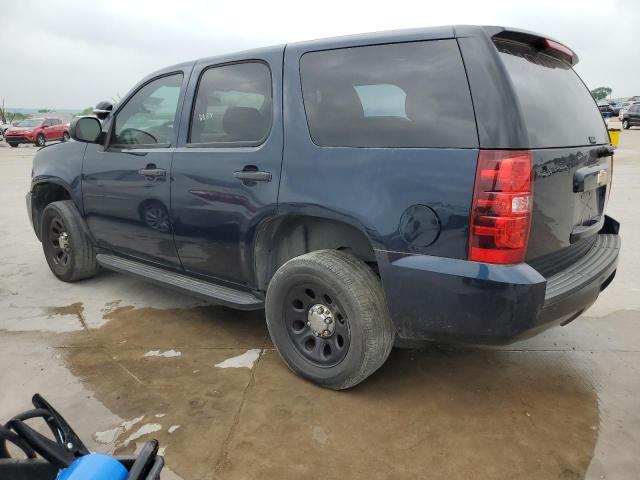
point(209, 291)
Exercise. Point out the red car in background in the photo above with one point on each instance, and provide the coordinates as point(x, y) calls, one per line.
point(38, 131)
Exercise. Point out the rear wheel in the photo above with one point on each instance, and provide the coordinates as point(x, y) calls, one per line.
point(40, 140)
point(13, 145)
point(625, 124)
point(67, 248)
point(328, 319)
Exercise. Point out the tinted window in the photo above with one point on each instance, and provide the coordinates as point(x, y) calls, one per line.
point(557, 108)
point(398, 95)
point(148, 116)
point(233, 105)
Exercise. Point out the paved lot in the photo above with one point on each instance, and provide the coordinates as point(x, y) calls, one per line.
point(120, 357)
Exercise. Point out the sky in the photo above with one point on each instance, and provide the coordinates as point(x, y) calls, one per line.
point(70, 54)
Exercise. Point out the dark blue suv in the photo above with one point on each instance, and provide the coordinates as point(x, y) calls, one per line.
point(365, 191)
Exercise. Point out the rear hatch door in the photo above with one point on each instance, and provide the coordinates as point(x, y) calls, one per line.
point(570, 145)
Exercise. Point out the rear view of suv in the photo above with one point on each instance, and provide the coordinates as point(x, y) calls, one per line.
point(364, 191)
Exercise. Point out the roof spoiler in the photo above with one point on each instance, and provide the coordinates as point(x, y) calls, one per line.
point(546, 45)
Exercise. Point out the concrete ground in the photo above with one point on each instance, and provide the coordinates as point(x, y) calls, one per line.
point(127, 361)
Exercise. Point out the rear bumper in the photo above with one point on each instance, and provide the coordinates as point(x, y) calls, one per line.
point(445, 299)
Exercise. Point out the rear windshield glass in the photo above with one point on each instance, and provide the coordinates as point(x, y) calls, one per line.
point(398, 95)
point(557, 107)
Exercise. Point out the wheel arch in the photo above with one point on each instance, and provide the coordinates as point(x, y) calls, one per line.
point(44, 193)
point(284, 237)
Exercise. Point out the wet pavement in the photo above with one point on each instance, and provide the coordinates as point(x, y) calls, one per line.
point(127, 361)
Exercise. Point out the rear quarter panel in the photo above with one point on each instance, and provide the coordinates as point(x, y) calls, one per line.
point(370, 188)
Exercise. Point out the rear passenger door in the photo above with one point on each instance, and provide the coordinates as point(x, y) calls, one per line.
point(226, 168)
point(57, 129)
point(49, 130)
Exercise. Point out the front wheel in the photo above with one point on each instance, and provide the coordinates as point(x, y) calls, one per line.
point(13, 145)
point(67, 248)
point(65, 137)
point(40, 140)
point(327, 317)
point(625, 124)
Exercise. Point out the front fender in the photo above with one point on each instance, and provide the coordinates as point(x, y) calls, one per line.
point(61, 164)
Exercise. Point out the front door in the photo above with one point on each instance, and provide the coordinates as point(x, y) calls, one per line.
point(634, 115)
point(226, 168)
point(126, 183)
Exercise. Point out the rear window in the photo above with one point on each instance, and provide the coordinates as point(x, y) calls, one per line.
point(233, 105)
point(397, 95)
point(557, 107)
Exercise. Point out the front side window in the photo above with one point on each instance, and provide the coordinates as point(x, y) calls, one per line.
point(233, 105)
point(395, 95)
point(148, 117)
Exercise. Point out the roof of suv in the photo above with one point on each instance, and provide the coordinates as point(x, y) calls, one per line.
point(389, 36)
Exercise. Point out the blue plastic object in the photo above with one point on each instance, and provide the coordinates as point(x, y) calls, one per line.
point(94, 466)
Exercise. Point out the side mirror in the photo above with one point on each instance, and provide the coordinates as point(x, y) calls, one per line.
point(85, 129)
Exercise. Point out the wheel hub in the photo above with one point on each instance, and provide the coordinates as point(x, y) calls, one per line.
point(63, 241)
point(321, 321)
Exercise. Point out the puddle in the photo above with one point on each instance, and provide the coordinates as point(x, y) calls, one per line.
point(456, 413)
point(191, 414)
point(432, 414)
point(75, 309)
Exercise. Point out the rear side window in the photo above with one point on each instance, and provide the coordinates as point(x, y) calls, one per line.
point(396, 95)
point(557, 107)
point(233, 105)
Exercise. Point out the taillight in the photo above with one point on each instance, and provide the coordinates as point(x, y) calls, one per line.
point(502, 205)
point(558, 47)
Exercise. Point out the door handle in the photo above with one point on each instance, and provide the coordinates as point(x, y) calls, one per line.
point(252, 174)
point(151, 171)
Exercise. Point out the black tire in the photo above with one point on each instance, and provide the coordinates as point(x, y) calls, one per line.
point(76, 262)
point(353, 294)
point(65, 137)
point(40, 140)
point(626, 125)
point(13, 145)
